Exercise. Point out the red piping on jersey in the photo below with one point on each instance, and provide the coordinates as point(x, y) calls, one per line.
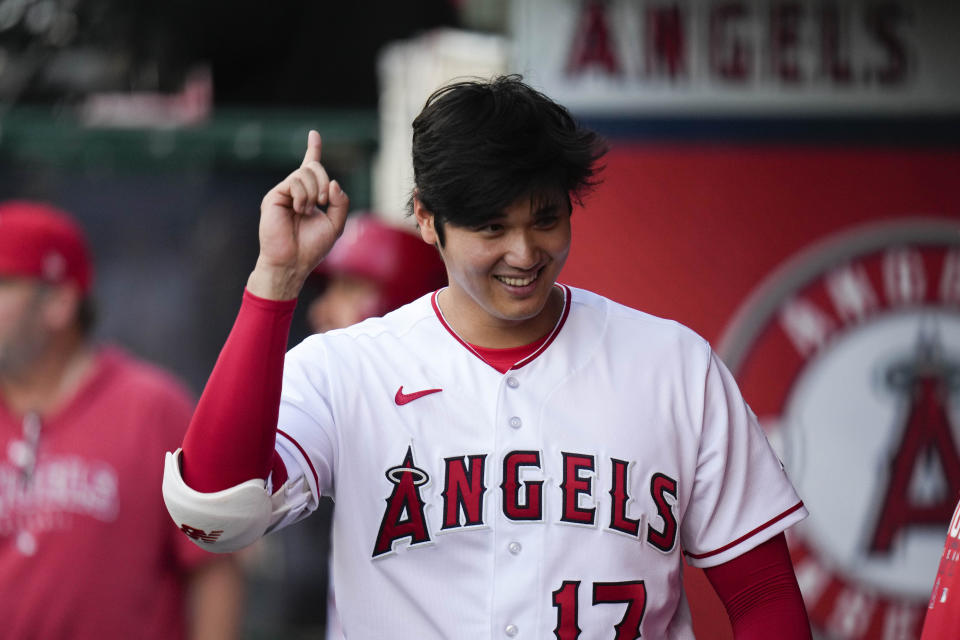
point(553, 334)
point(700, 556)
point(316, 478)
point(550, 338)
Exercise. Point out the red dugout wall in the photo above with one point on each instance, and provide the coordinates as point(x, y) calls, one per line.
point(691, 232)
point(687, 231)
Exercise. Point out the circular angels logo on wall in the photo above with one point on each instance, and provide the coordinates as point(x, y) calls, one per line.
point(850, 356)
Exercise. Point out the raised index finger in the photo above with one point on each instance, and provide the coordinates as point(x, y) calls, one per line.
point(313, 148)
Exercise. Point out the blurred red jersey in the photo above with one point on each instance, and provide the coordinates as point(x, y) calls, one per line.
point(943, 614)
point(87, 550)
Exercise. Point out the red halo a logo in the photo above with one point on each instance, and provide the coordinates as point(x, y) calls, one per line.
point(850, 356)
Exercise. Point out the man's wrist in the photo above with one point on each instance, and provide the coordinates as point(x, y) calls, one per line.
point(274, 283)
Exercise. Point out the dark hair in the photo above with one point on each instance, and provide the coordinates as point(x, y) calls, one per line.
point(479, 146)
point(86, 316)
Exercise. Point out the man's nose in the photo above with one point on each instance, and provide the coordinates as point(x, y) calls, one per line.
point(522, 252)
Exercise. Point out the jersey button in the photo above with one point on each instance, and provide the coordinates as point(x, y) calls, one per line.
point(516, 422)
point(515, 548)
point(512, 382)
point(511, 630)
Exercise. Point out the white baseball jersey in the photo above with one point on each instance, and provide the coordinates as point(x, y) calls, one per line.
point(550, 501)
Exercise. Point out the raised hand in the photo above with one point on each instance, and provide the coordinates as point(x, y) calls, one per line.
point(295, 233)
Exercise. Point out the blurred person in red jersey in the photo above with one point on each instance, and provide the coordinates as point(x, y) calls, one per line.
point(943, 614)
point(86, 547)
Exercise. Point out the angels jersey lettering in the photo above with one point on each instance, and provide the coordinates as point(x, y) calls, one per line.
point(403, 519)
point(559, 494)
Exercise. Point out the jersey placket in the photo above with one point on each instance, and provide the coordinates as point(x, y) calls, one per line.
point(517, 577)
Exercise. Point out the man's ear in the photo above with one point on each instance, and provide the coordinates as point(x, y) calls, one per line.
point(425, 220)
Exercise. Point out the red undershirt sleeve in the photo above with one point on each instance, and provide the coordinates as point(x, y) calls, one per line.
point(231, 436)
point(760, 593)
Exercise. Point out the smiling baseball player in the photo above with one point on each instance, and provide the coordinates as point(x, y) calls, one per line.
point(510, 457)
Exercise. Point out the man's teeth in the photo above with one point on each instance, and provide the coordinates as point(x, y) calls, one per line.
point(516, 282)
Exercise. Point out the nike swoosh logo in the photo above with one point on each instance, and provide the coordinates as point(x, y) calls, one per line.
point(403, 398)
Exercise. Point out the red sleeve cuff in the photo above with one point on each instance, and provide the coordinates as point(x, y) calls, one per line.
point(268, 305)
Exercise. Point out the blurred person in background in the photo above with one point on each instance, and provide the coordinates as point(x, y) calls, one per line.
point(86, 547)
point(374, 268)
point(943, 613)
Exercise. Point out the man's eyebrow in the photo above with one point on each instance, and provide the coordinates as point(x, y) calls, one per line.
point(480, 224)
point(547, 209)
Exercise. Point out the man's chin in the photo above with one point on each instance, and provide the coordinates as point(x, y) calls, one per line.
point(524, 309)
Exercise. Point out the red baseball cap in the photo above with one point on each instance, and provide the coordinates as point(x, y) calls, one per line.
point(40, 241)
point(402, 265)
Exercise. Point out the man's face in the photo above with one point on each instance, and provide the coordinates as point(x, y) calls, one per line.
point(347, 300)
point(22, 335)
point(502, 272)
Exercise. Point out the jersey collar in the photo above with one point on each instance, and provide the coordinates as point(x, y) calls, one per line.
point(525, 361)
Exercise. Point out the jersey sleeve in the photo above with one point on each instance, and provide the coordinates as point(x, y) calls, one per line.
point(306, 437)
point(741, 495)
